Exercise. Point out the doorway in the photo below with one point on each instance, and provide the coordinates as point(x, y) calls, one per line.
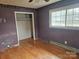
point(25, 25)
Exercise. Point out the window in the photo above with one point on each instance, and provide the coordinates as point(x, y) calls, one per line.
point(58, 18)
point(72, 17)
point(65, 18)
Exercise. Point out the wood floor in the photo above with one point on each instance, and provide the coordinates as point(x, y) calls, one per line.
point(30, 49)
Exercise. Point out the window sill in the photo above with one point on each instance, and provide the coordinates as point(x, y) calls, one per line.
point(67, 28)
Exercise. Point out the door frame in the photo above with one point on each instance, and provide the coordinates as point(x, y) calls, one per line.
point(33, 23)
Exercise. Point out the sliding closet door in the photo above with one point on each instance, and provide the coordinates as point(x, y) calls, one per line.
point(24, 26)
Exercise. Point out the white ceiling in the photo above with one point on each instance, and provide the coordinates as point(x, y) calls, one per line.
point(25, 3)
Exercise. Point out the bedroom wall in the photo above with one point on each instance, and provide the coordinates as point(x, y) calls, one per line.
point(8, 35)
point(54, 34)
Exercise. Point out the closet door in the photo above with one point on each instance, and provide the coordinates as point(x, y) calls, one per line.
point(24, 26)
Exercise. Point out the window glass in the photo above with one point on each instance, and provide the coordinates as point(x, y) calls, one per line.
point(69, 20)
point(65, 18)
point(58, 18)
point(76, 17)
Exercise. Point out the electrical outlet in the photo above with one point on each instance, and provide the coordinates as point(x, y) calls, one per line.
point(65, 42)
point(8, 46)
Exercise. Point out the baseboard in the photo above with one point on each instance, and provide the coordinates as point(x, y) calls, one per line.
point(16, 45)
point(22, 40)
point(66, 47)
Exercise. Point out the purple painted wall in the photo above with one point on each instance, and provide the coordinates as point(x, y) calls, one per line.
point(58, 35)
point(8, 30)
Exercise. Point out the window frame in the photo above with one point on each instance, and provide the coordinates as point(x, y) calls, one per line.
point(59, 9)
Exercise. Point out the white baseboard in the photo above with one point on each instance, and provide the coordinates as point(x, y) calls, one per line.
point(66, 47)
point(16, 45)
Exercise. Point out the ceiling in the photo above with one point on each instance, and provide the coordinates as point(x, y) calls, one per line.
point(25, 3)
